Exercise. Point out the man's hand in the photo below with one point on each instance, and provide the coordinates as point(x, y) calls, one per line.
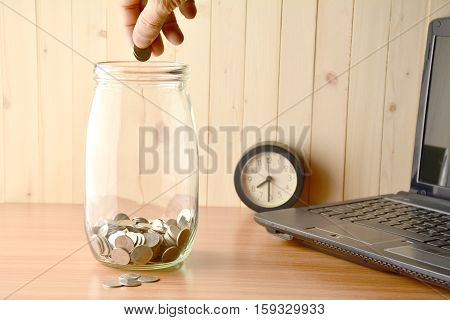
point(144, 21)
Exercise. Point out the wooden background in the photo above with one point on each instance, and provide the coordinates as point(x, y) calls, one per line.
point(251, 61)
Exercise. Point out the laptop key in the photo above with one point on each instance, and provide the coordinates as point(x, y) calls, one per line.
point(437, 243)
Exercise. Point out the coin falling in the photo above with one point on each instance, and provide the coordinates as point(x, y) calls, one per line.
point(138, 241)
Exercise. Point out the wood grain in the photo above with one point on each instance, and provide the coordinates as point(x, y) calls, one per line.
point(55, 98)
point(2, 145)
point(329, 120)
point(262, 55)
point(403, 81)
point(250, 61)
point(233, 258)
point(226, 99)
point(296, 80)
point(366, 97)
point(23, 175)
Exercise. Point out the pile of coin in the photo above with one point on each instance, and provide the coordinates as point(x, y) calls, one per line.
point(136, 240)
point(130, 280)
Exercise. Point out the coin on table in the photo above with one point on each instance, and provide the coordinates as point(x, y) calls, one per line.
point(121, 216)
point(120, 256)
point(182, 238)
point(130, 282)
point(141, 254)
point(170, 254)
point(152, 238)
point(124, 242)
point(142, 55)
point(148, 279)
point(112, 284)
point(133, 276)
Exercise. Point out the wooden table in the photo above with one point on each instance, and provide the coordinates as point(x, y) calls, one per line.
point(43, 255)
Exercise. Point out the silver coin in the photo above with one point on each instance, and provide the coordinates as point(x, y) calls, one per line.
point(148, 279)
point(186, 214)
point(152, 238)
point(96, 245)
point(141, 255)
point(112, 238)
point(121, 216)
point(130, 282)
point(141, 226)
point(158, 226)
point(133, 276)
point(137, 220)
point(171, 222)
point(173, 231)
point(169, 241)
point(120, 256)
point(142, 55)
point(106, 246)
point(125, 223)
point(124, 242)
point(112, 284)
point(103, 230)
point(182, 223)
point(133, 236)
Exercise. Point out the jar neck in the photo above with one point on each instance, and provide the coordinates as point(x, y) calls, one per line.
point(151, 73)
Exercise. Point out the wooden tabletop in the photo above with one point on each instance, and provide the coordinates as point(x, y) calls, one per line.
point(43, 255)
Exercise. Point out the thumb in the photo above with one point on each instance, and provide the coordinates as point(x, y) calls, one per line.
point(149, 23)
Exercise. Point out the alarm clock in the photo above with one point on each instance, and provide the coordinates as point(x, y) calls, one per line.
point(269, 176)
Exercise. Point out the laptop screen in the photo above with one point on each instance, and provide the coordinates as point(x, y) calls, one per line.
point(435, 162)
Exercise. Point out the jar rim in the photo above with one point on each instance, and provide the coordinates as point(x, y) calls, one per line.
point(138, 71)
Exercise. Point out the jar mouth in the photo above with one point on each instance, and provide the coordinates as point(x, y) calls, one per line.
point(137, 71)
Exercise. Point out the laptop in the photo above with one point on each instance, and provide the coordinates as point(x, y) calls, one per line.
point(407, 232)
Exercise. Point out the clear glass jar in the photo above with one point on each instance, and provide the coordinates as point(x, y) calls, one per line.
point(141, 205)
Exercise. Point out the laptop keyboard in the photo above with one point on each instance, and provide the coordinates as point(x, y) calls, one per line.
point(419, 224)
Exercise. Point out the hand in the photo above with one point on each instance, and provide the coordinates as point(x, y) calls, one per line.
point(144, 21)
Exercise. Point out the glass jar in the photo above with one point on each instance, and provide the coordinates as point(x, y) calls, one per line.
point(141, 205)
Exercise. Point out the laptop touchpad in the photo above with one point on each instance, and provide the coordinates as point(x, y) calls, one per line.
point(422, 256)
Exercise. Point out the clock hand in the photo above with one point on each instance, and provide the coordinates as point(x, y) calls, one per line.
point(262, 183)
point(268, 189)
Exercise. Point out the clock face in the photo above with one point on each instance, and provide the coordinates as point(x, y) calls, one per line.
point(269, 179)
point(269, 176)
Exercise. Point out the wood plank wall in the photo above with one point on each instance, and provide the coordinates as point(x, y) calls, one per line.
point(344, 74)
